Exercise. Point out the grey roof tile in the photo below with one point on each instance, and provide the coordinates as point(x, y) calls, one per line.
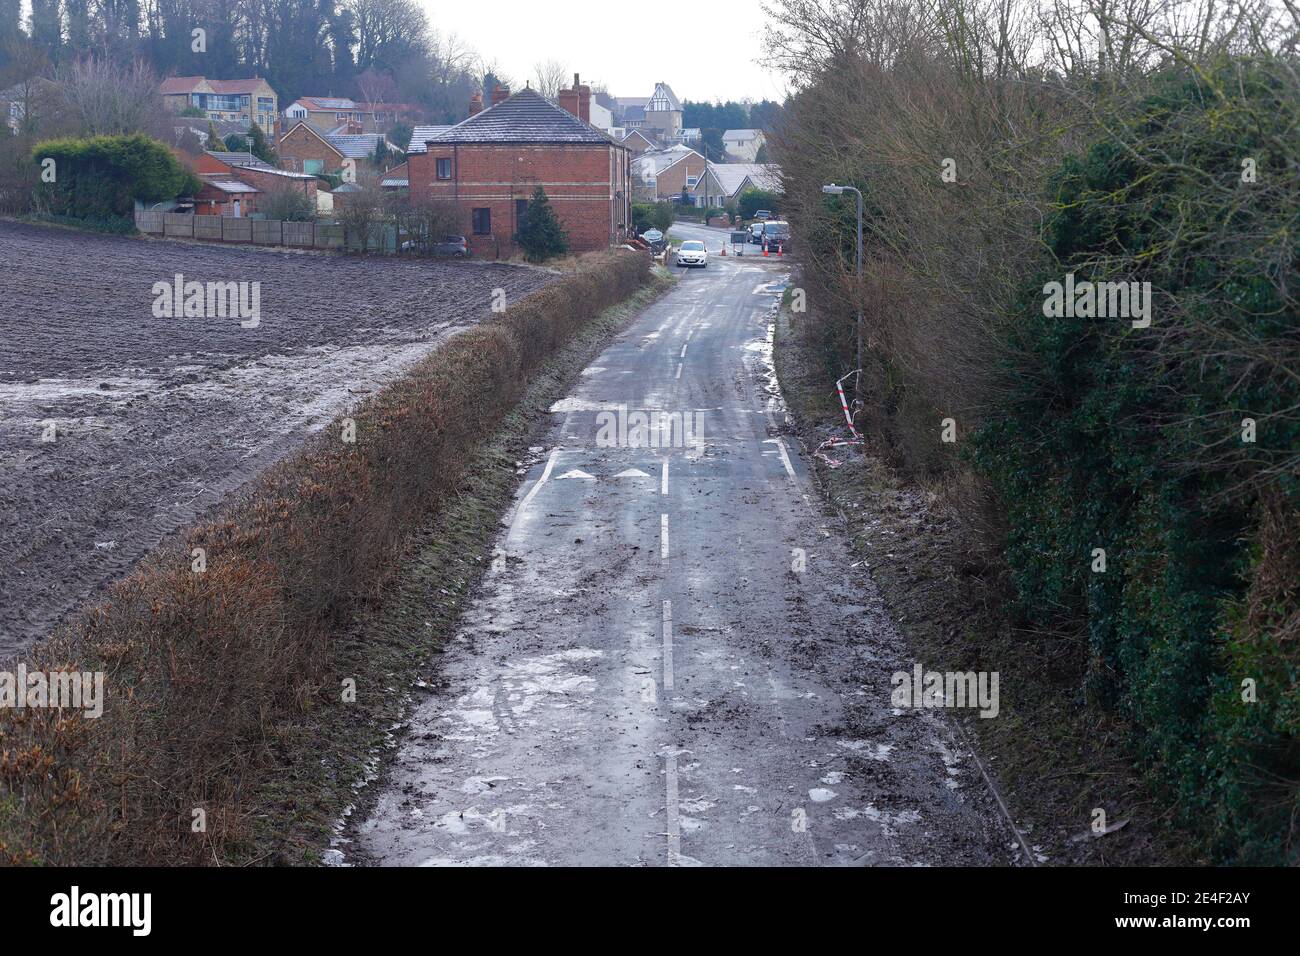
point(524, 117)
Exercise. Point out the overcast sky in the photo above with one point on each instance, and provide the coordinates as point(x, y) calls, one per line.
point(704, 51)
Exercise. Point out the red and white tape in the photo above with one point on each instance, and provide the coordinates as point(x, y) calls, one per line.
point(856, 438)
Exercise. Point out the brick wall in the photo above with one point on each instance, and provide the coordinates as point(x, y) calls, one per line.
point(673, 179)
point(582, 182)
point(300, 144)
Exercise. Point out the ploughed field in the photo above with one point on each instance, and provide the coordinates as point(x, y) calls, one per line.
point(154, 419)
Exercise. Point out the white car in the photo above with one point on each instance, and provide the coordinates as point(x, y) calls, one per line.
point(692, 253)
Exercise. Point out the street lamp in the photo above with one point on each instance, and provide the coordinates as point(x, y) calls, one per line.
point(833, 190)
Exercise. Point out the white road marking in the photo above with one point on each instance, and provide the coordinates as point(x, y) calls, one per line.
point(785, 457)
point(668, 646)
point(532, 492)
point(674, 827)
point(663, 538)
point(683, 355)
point(663, 479)
point(576, 473)
point(632, 473)
point(679, 370)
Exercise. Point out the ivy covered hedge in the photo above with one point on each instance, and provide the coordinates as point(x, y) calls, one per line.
point(102, 177)
point(1174, 448)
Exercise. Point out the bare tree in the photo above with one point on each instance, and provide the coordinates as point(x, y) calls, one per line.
point(549, 78)
point(103, 99)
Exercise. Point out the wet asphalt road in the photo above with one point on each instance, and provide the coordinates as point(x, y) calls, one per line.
point(672, 661)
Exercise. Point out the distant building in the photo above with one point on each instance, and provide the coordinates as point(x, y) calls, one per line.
point(306, 149)
point(329, 113)
point(722, 183)
point(234, 184)
point(663, 174)
point(236, 101)
point(743, 144)
point(490, 164)
point(658, 116)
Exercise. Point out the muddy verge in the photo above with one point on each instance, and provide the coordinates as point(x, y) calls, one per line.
point(1055, 760)
point(118, 427)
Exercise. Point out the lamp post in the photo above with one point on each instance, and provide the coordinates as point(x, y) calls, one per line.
point(833, 190)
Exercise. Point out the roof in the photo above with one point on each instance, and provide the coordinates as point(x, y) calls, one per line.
point(326, 104)
point(633, 113)
point(422, 134)
point(742, 134)
point(357, 145)
point(663, 99)
point(525, 117)
point(395, 183)
point(233, 158)
point(231, 186)
point(188, 84)
point(732, 177)
point(660, 159)
point(348, 188)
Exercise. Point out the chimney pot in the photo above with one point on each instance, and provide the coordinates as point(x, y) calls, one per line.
point(475, 104)
point(500, 93)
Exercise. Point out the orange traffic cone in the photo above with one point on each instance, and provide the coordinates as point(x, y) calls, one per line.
point(724, 250)
point(765, 251)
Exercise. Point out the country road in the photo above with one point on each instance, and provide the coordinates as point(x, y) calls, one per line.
point(673, 661)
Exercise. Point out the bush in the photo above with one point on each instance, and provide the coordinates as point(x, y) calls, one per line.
point(752, 200)
point(213, 675)
point(540, 234)
point(1130, 440)
point(653, 215)
point(105, 176)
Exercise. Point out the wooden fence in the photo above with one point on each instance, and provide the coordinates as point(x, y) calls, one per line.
point(262, 232)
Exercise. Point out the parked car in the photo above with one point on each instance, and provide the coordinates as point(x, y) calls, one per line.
point(762, 215)
point(776, 235)
point(692, 253)
point(756, 233)
point(452, 246)
point(655, 240)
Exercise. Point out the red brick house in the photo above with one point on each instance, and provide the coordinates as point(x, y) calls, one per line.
point(490, 164)
point(235, 183)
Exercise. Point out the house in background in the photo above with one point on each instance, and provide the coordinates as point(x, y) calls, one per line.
point(236, 183)
point(420, 135)
point(637, 142)
point(662, 174)
point(237, 101)
point(743, 144)
point(658, 116)
point(722, 183)
point(306, 149)
point(329, 113)
point(490, 164)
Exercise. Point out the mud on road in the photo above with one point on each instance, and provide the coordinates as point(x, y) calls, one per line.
point(156, 419)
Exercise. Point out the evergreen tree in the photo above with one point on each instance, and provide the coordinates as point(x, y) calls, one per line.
point(260, 147)
point(214, 139)
point(540, 234)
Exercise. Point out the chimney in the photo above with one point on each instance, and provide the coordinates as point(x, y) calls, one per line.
point(475, 103)
point(500, 93)
point(569, 101)
point(584, 103)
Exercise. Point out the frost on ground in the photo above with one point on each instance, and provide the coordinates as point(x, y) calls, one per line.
point(154, 420)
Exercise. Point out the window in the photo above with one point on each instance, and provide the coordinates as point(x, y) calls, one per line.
point(265, 104)
point(313, 166)
point(482, 222)
point(521, 209)
point(444, 168)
